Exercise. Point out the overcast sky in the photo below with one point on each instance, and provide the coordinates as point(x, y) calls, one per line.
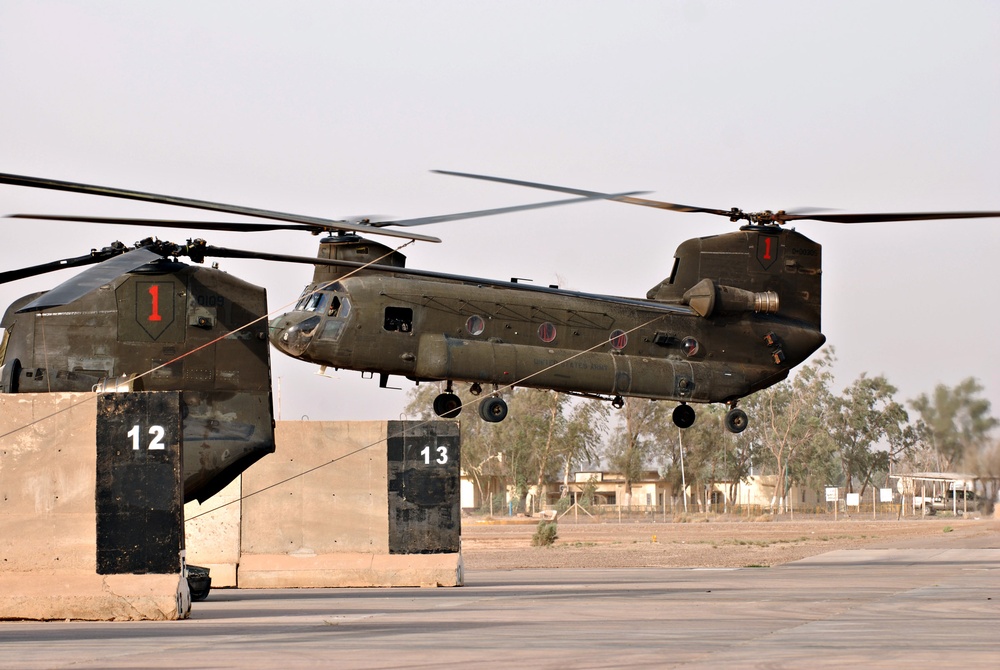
point(342, 108)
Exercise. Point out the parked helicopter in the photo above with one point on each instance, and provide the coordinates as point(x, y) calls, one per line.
point(737, 313)
point(140, 320)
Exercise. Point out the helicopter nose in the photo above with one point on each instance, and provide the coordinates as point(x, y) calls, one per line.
point(293, 337)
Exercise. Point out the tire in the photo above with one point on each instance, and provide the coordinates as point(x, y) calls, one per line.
point(736, 420)
point(493, 409)
point(447, 405)
point(684, 416)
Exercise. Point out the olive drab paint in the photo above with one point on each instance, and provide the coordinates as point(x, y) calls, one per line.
point(738, 311)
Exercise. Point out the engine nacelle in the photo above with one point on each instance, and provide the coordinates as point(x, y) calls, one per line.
point(707, 298)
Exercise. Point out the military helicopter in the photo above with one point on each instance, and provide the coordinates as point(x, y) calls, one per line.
point(140, 320)
point(158, 325)
point(737, 313)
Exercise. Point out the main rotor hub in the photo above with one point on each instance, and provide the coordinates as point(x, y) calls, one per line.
point(765, 218)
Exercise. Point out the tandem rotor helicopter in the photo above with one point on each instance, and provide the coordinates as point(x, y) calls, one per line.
point(738, 311)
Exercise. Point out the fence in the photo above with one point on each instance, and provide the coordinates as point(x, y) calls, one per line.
point(675, 511)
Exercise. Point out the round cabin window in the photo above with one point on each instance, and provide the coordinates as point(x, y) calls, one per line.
point(618, 340)
point(547, 332)
point(475, 325)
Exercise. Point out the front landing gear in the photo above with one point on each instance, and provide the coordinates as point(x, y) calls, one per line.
point(493, 409)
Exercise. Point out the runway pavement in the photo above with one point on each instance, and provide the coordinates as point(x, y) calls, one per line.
point(876, 608)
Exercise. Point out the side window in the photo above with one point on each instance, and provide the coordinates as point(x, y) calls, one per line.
point(398, 319)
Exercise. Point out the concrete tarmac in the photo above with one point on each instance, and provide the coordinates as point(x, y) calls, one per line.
point(870, 608)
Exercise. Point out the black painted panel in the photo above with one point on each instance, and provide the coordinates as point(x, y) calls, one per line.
point(424, 487)
point(140, 513)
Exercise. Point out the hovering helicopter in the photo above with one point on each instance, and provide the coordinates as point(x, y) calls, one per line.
point(738, 311)
point(140, 320)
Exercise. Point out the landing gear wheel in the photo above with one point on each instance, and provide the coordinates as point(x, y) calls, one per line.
point(683, 416)
point(447, 405)
point(736, 420)
point(618, 402)
point(199, 582)
point(493, 409)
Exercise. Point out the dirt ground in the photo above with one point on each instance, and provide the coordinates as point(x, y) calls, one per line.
point(716, 542)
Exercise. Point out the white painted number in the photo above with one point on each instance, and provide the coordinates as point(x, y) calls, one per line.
point(156, 443)
point(440, 460)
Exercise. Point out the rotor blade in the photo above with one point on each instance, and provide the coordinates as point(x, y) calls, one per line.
point(621, 197)
point(491, 212)
point(885, 217)
point(34, 270)
point(324, 224)
point(737, 214)
point(175, 223)
point(263, 227)
point(91, 278)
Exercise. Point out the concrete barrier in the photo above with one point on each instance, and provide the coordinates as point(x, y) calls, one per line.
point(338, 504)
point(49, 543)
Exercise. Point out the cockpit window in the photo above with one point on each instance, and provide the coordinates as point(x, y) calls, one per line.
point(673, 272)
point(339, 307)
point(315, 302)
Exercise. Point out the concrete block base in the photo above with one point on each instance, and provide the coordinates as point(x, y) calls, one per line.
point(91, 597)
point(344, 569)
point(48, 524)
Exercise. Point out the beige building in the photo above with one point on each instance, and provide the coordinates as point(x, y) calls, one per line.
point(650, 493)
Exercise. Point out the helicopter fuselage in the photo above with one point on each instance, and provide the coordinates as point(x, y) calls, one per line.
point(704, 341)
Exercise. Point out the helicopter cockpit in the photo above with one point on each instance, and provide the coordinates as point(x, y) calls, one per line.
point(320, 312)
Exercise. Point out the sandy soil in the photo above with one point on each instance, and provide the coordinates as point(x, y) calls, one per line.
point(718, 542)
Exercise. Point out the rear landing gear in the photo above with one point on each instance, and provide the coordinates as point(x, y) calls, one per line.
point(447, 404)
point(683, 416)
point(736, 420)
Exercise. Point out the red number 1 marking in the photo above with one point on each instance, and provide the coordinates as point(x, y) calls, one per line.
point(767, 251)
point(154, 292)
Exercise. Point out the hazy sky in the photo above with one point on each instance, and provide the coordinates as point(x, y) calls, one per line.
point(342, 108)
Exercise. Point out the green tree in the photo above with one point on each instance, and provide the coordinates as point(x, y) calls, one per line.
point(790, 422)
point(640, 425)
point(715, 456)
point(958, 422)
point(583, 436)
point(869, 429)
point(985, 464)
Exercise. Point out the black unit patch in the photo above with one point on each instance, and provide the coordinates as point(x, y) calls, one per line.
point(140, 509)
point(424, 487)
point(767, 249)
